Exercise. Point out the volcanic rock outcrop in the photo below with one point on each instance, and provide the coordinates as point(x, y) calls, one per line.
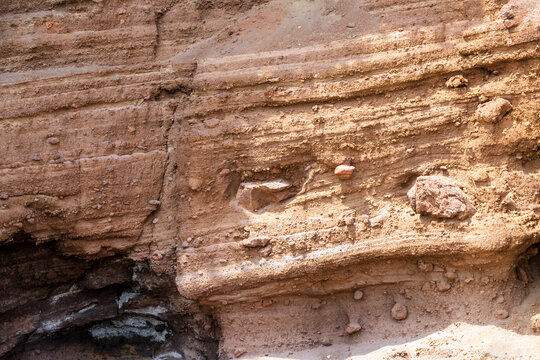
point(187, 179)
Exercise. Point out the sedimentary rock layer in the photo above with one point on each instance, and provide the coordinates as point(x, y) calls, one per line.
point(175, 161)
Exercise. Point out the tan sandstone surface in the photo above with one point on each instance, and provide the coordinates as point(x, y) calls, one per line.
point(269, 179)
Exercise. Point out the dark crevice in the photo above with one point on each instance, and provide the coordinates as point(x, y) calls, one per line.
point(53, 306)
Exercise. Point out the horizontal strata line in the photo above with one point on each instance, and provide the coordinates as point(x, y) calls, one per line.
point(367, 136)
point(194, 285)
point(379, 8)
point(86, 73)
point(74, 37)
point(80, 160)
point(320, 91)
point(373, 43)
point(376, 42)
point(79, 98)
point(348, 67)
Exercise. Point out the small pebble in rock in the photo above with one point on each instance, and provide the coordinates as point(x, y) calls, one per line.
point(399, 312)
point(224, 172)
point(358, 295)
point(154, 202)
point(457, 81)
point(239, 352)
point(317, 304)
point(326, 342)
point(509, 200)
point(450, 275)
point(267, 302)
point(501, 314)
point(443, 286)
point(352, 328)
point(494, 110)
point(425, 266)
point(211, 123)
point(344, 172)
point(4, 196)
point(426, 286)
point(155, 221)
point(53, 140)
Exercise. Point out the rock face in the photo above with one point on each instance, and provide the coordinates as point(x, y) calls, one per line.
point(168, 177)
point(438, 197)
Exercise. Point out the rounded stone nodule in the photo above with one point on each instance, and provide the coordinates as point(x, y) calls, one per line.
point(399, 312)
point(344, 172)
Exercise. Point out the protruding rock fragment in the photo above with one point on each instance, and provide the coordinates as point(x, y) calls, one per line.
point(509, 201)
point(450, 275)
point(256, 242)
point(379, 219)
point(501, 314)
point(239, 352)
point(522, 275)
point(256, 195)
point(267, 303)
point(425, 266)
point(443, 286)
point(4, 196)
point(358, 295)
point(53, 140)
point(195, 183)
point(344, 172)
point(211, 123)
point(438, 197)
point(224, 172)
point(493, 111)
point(353, 327)
point(316, 304)
point(535, 323)
point(326, 342)
point(266, 251)
point(508, 12)
point(399, 312)
point(457, 81)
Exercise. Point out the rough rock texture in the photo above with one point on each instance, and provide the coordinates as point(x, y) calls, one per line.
point(138, 139)
point(493, 110)
point(439, 197)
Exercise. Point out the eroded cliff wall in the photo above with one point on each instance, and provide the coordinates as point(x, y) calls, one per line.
point(204, 179)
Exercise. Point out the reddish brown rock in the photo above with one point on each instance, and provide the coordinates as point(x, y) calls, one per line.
point(239, 352)
point(493, 111)
point(438, 197)
point(256, 195)
point(344, 172)
point(443, 286)
point(358, 295)
point(399, 312)
point(353, 328)
point(501, 314)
